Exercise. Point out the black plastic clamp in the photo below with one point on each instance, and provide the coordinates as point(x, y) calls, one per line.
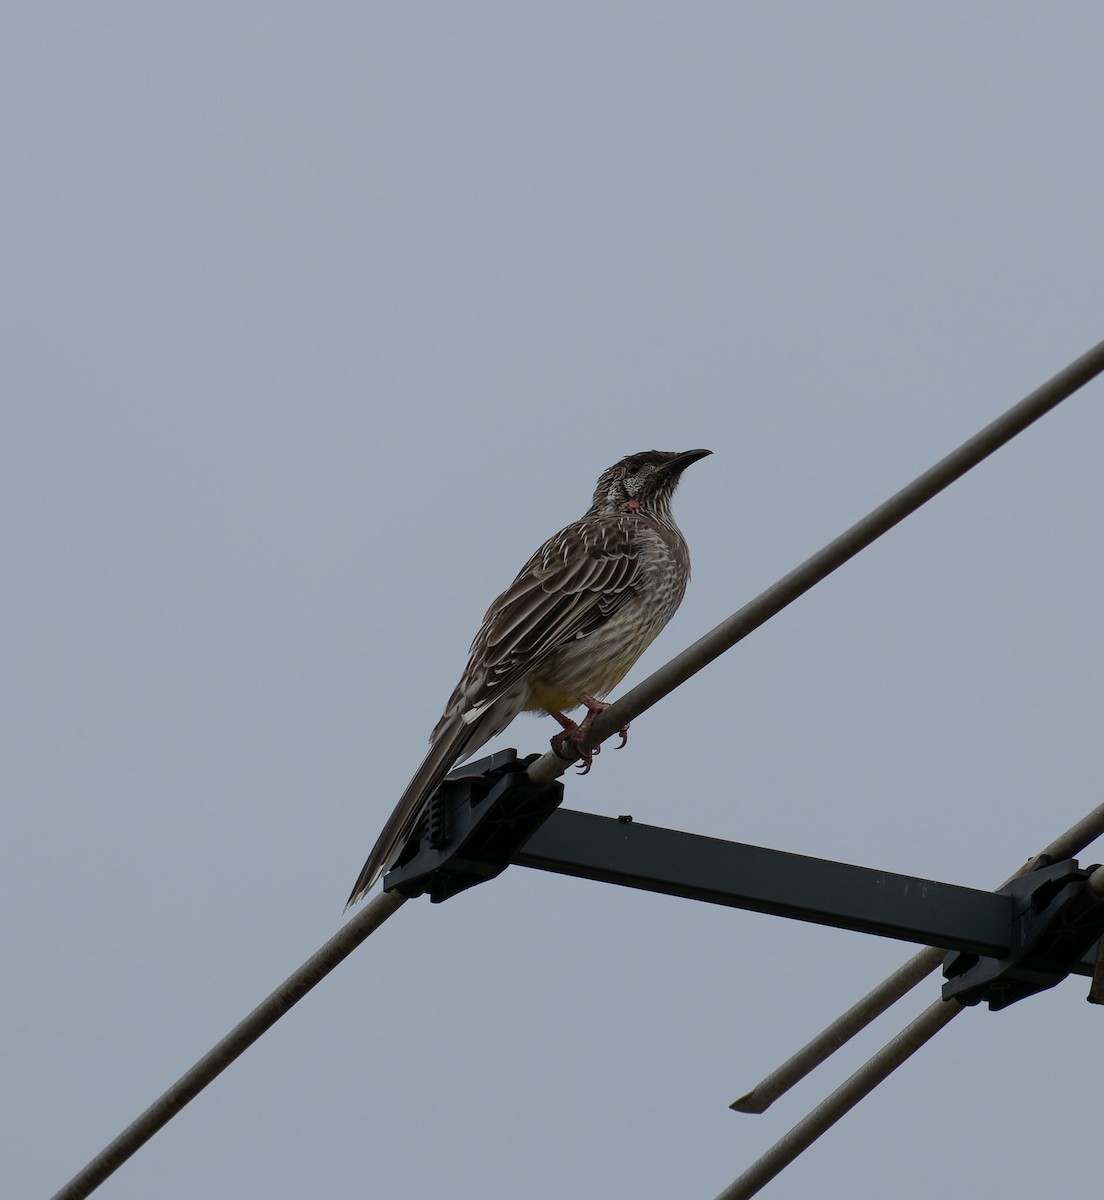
point(1056, 919)
point(474, 824)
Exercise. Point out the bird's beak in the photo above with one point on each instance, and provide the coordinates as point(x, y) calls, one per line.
point(680, 462)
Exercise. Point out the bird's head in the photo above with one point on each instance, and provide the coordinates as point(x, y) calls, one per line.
point(643, 482)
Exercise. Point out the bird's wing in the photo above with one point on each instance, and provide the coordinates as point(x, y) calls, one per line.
point(569, 588)
point(573, 584)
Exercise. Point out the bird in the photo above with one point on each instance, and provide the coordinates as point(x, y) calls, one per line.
point(582, 610)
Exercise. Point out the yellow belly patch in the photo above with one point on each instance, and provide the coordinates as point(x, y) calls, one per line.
point(543, 698)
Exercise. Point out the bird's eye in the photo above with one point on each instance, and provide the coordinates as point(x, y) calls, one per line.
point(632, 468)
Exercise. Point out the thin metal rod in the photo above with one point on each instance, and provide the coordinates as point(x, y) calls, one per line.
point(236, 1042)
point(902, 981)
point(842, 1100)
point(840, 1032)
point(767, 604)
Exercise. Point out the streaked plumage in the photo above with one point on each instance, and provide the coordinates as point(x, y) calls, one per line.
point(579, 614)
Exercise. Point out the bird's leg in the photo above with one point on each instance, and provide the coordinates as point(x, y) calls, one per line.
point(576, 733)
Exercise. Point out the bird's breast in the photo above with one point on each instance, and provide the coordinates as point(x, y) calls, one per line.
point(595, 664)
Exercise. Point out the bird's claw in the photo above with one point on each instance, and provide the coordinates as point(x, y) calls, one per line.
point(588, 759)
point(576, 734)
point(569, 752)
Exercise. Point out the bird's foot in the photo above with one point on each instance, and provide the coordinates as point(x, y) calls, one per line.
point(569, 744)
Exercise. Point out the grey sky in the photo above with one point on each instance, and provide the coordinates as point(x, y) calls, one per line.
point(318, 319)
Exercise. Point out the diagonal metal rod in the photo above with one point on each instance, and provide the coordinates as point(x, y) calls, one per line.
point(630, 706)
point(842, 1100)
point(767, 604)
point(897, 1051)
point(902, 981)
point(235, 1043)
point(841, 1031)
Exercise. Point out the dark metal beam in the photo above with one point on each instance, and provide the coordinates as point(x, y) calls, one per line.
point(770, 881)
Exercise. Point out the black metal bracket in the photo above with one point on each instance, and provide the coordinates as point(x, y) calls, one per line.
point(1056, 920)
point(1008, 944)
point(474, 823)
point(1096, 992)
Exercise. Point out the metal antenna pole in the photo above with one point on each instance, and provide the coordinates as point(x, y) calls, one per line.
point(549, 766)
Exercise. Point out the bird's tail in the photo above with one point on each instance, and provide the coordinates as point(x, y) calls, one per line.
point(448, 747)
